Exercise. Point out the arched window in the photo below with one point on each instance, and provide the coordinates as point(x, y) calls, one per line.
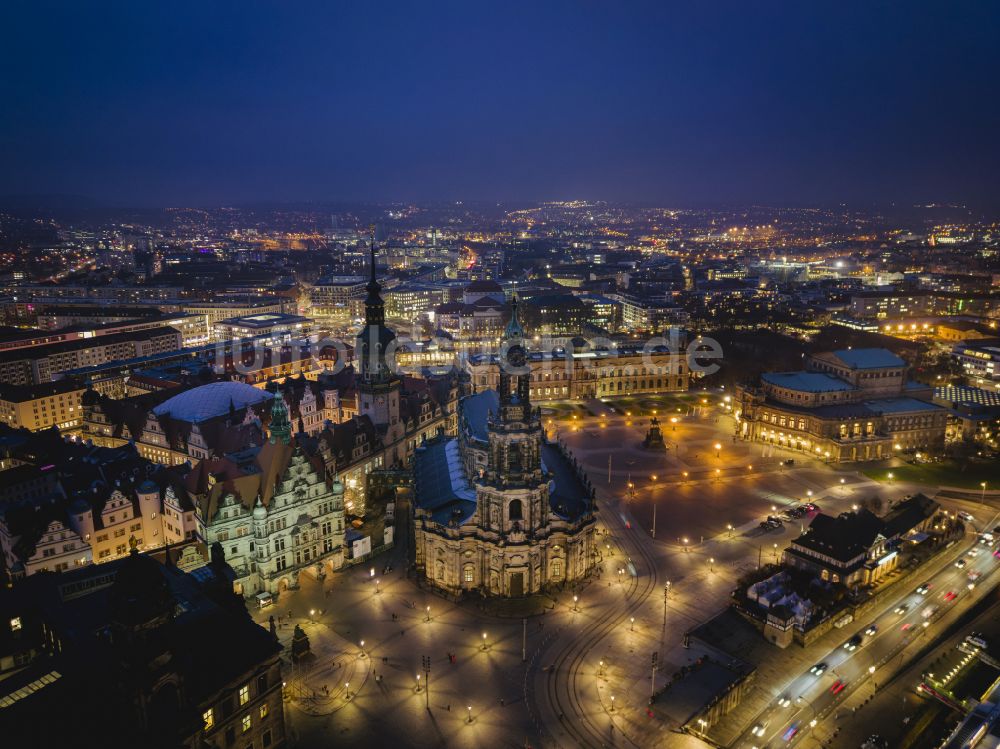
point(557, 569)
point(514, 510)
point(468, 573)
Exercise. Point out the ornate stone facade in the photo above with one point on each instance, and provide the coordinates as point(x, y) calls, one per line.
point(500, 510)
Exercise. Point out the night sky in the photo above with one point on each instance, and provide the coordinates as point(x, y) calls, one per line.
point(679, 103)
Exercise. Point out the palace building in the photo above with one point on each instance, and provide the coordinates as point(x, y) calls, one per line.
point(498, 509)
point(847, 405)
point(581, 371)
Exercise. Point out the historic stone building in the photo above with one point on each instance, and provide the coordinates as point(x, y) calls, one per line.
point(499, 509)
point(580, 370)
point(847, 405)
point(276, 516)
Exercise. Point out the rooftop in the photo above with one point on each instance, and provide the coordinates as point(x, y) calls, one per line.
point(810, 382)
point(208, 401)
point(868, 358)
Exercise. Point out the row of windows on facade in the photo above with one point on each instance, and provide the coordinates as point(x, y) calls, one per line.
point(469, 571)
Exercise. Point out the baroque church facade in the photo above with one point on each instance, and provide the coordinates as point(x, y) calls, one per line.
point(498, 509)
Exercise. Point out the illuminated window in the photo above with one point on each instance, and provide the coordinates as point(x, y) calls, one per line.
point(468, 573)
point(263, 711)
point(246, 723)
point(209, 717)
point(244, 694)
point(15, 624)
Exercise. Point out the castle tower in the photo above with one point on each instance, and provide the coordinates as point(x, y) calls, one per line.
point(378, 384)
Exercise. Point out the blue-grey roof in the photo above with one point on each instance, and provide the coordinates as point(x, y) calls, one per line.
point(440, 485)
point(810, 382)
point(900, 405)
point(476, 408)
point(869, 358)
point(208, 401)
point(568, 497)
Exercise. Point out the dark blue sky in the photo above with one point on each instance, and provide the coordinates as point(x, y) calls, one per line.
point(668, 102)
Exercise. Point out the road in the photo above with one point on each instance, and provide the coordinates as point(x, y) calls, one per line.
point(814, 698)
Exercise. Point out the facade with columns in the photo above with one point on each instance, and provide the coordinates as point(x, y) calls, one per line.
point(499, 510)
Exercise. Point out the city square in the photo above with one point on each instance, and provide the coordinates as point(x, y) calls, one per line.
point(588, 643)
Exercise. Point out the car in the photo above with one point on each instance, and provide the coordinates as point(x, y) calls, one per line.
point(758, 730)
point(924, 589)
point(838, 687)
point(975, 575)
point(961, 563)
point(818, 669)
point(966, 517)
point(871, 630)
point(854, 643)
point(973, 552)
point(902, 608)
point(784, 701)
point(950, 596)
point(790, 733)
point(906, 627)
point(929, 612)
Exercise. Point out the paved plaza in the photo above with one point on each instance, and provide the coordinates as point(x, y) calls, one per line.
point(572, 668)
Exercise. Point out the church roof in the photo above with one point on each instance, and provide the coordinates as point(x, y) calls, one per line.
point(208, 401)
point(475, 410)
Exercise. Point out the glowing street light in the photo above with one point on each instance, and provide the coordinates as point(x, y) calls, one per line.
point(711, 564)
point(362, 648)
point(576, 598)
point(347, 690)
point(485, 645)
point(632, 624)
point(612, 703)
point(428, 617)
point(418, 684)
point(377, 590)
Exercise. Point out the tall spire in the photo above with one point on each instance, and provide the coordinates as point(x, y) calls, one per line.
point(514, 330)
point(374, 306)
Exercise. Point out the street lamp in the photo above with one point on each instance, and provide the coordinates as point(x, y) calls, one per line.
point(362, 648)
point(347, 690)
point(685, 543)
point(718, 450)
point(601, 671)
point(428, 617)
point(711, 564)
point(632, 624)
point(890, 475)
point(469, 709)
point(729, 527)
point(376, 586)
point(575, 600)
point(612, 703)
point(484, 641)
point(982, 499)
point(418, 683)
